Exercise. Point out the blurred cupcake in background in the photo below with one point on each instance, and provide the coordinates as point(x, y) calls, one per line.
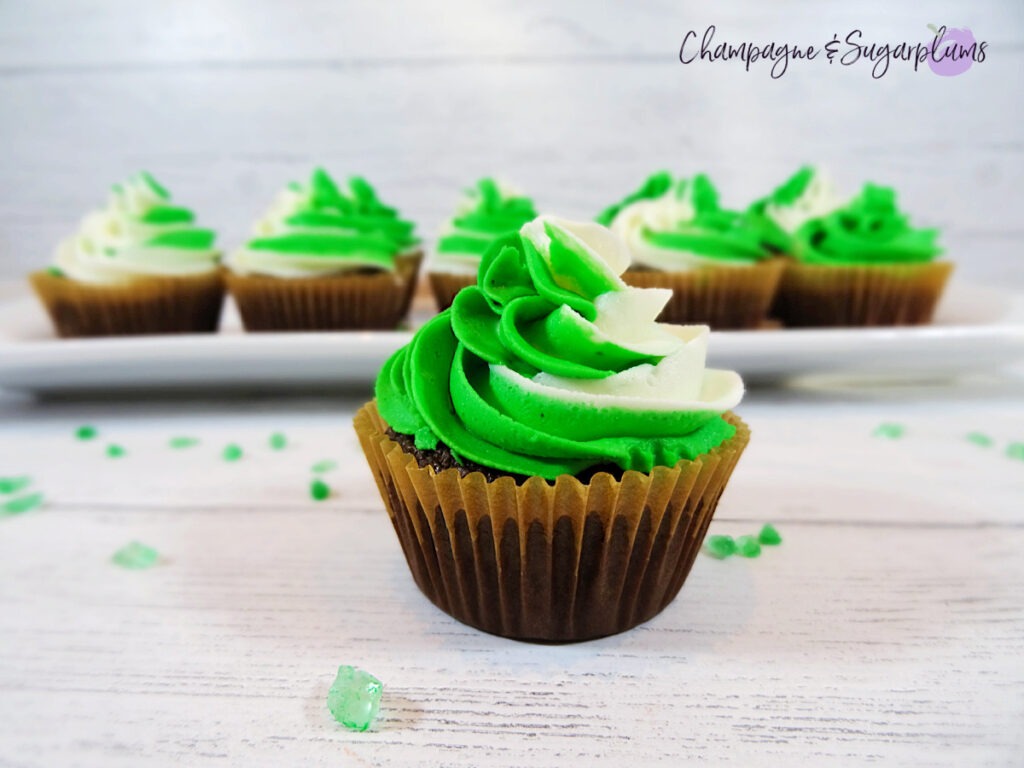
point(715, 261)
point(139, 265)
point(486, 211)
point(807, 194)
point(860, 265)
point(325, 258)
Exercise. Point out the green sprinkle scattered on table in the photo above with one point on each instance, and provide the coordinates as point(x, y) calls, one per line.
point(21, 504)
point(232, 452)
point(183, 442)
point(135, 556)
point(319, 490)
point(115, 451)
point(86, 432)
point(748, 546)
point(278, 441)
point(325, 466)
point(769, 536)
point(1015, 451)
point(720, 547)
point(354, 698)
point(980, 439)
point(13, 484)
point(890, 431)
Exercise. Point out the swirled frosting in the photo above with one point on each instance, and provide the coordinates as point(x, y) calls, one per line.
point(551, 364)
point(139, 233)
point(486, 211)
point(807, 194)
point(682, 227)
point(869, 230)
point(319, 229)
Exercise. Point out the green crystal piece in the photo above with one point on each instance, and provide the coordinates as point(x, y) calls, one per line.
point(889, 430)
point(278, 441)
point(86, 432)
point(232, 452)
point(183, 442)
point(354, 698)
point(980, 439)
point(14, 484)
point(21, 504)
point(748, 546)
point(1015, 451)
point(324, 466)
point(115, 451)
point(720, 547)
point(769, 536)
point(135, 556)
point(319, 490)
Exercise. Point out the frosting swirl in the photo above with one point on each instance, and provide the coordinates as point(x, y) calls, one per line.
point(683, 227)
point(318, 229)
point(551, 364)
point(486, 211)
point(807, 194)
point(869, 230)
point(139, 233)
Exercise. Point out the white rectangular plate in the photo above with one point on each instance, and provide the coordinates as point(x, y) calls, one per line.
point(976, 329)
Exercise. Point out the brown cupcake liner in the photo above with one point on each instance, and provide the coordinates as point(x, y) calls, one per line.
point(814, 295)
point(445, 285)
point(145, 305)
point(358, 301)
point(545, 562)
point(721, 297)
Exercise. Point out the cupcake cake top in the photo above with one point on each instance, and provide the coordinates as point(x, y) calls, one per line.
point(679, 225)
point(807, 194)
point(869, 230)
point(139, 233)
point(319, 228)
point(486, 211)
point(551, 365)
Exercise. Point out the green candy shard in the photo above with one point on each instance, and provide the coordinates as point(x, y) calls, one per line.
point(354, 698)
point(183, 442)
point(115, 451)
point(319, 490)
point(1015, 451)
point(232, 452)
point(86, 432)
point(980, 439)
point(769, 536)
point(889, 430)
point(748, 546)
point(720, 547)
point(21, 504)
point(325, 466)
point(278, 441)
point(135, 556)
point(14, 484)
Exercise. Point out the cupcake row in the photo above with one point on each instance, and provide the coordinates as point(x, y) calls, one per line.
point(329, 256)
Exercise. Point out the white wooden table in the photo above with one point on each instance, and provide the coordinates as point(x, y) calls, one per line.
point(888, 628)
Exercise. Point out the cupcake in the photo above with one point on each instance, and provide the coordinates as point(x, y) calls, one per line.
point(807, 194)
point(325, 258)
point(486, 212)
point(550, 455)
point(140, 265)
point(862, 265)
point(713, 260)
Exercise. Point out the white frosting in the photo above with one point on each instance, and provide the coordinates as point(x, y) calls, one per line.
point(818, 199)
point(110, 244)
point(453, 262)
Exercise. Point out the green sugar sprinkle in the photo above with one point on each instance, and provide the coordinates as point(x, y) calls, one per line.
point(890, 431)
point(135, 556)
point(980, 439)
point(319, 490)
point(86, 432)
point(13, 484)
point(54, 272)
point(324, 466)
point(278, 441)
point(1015, 451)
point(748, 546)
point(232, 452)
point(769, 536)
point(354, 698)
point(183, 442)
point(21, 504)
point(115, 451)
point(720, 547)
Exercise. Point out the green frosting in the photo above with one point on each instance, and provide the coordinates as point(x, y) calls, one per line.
point(774, 237)
point(467, 377)
point(490, 214)
point(656, 185)
point(869, 230)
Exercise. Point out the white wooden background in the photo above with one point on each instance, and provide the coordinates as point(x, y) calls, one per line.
point(225, 100)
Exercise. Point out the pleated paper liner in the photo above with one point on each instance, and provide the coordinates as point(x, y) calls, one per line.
point(145, 305)
point(721, 297)
point(354, 301)
point(445, 285)
point(812, 295)
point(565, 562)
